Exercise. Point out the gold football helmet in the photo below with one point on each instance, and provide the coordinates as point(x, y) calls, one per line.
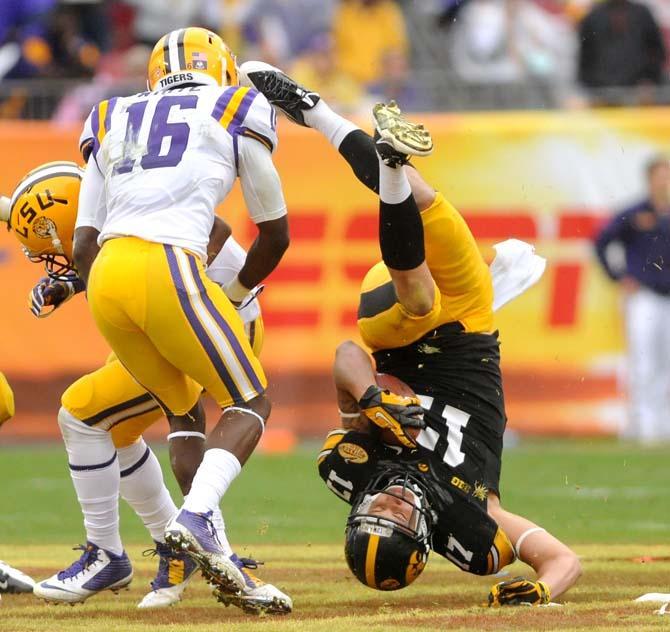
point(191, 55)
point(42, 214)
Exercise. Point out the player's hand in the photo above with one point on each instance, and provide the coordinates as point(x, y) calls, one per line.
point(519, 591)
point(53, 293)
point(393, 412)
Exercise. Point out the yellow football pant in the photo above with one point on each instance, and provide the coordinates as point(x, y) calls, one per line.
point(109, 398)
point(463, 286)
point(170, 326)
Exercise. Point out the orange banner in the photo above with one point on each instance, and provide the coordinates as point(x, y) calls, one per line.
point(549, 179)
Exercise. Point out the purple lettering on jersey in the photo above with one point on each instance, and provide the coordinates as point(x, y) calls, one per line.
point(135, 116)
point(178, 133)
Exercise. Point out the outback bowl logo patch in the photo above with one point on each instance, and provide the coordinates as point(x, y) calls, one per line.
point(352, 453)
point(44, 227)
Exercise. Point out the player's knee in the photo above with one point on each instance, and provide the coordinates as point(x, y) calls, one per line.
point(70, 424)
point(261, 405)
point(424, 194)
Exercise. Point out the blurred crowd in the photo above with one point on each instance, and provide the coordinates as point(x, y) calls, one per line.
point(580, 52)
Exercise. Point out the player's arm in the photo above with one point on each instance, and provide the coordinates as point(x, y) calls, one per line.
point(361, 401)
point(615, 231)
point(217, 238)
point(557, 567)
point(264, 199)
point(90, 219)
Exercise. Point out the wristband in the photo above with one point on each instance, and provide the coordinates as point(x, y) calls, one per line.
point(235, 291)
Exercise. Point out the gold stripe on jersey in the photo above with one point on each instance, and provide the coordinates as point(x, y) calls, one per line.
point(501, 553)
point(233, 106)
point(332, 440)
point(102, 115)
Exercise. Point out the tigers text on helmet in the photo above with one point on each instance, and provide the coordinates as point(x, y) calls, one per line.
point(43, 213)
point(388, 533)
point(191, 55)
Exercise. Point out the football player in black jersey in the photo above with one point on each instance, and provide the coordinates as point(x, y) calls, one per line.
point(426, 314)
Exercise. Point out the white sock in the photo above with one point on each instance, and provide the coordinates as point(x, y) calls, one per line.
point(220, 526)
point(94, 468)
point(333, 126)
point(143, 488)
point(394, 186)
point(215, 474)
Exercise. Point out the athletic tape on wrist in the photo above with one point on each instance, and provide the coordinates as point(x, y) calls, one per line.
point(348, 415)
point(248, 411)
point(186, 434)
point(524, 535)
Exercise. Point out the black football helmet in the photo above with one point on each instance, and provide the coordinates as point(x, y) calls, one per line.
point(382, 552)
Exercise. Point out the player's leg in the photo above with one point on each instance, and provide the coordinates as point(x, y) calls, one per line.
point(164, 325)
point(305, 107)
point(556, 565)
point(642, 327)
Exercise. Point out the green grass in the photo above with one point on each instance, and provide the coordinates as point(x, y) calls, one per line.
point(327, 599)
point(590, 494)
point(584, 492)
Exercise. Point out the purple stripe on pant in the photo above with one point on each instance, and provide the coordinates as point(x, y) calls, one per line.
point(199, 330)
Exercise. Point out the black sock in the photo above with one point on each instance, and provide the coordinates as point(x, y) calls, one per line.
point(358, 149)
point(401, 234)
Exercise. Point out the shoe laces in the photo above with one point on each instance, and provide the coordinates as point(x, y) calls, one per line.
point(88, 557)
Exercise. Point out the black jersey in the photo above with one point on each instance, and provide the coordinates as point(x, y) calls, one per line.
point(464, 533)
point(457, 377)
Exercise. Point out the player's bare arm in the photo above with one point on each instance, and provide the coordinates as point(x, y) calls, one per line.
point(556, 565)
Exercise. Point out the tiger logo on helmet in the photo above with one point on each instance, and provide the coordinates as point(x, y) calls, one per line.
point(42, 214)
point(191, 55)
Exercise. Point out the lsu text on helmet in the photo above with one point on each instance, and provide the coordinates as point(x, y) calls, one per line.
point(387, 539)
point(43, 213)
point(191, 55)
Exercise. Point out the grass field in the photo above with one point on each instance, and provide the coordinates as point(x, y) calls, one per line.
point(609, 501)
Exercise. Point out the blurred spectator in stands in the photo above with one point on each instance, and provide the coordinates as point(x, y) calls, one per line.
point(24, 51)
point(278, 31)
point(398, 82)
point(643, 231)
point(120, 72)
point(318, 70)
point(74, 54)
point(365, 31)
point(155, 18)
point(621, 46)
point(509, 42)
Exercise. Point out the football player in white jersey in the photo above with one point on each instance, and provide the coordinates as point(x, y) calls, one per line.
point(108, 402)
point(161, 162)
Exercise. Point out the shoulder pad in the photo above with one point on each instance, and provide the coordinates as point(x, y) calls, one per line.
point(246, 112)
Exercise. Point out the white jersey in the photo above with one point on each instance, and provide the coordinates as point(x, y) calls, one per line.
point(169, 158)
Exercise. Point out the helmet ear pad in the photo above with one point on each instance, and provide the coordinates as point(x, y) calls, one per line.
point(381, 555)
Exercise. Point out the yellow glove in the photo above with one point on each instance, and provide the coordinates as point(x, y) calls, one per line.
point(519, 591)
point(393, 412)
point(6, 400)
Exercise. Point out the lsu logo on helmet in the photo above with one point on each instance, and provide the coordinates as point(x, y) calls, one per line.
point(191, 55)
point(43, 212)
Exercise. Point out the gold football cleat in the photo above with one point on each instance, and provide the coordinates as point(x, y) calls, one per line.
point(394, 130)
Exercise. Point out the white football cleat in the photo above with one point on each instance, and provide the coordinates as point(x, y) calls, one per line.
point(257, 596)
point(96, 570)
point(175, 571)
point(13, 581)
point(194, 534)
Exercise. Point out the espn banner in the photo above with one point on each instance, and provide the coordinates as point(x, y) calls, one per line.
point(548, 178)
